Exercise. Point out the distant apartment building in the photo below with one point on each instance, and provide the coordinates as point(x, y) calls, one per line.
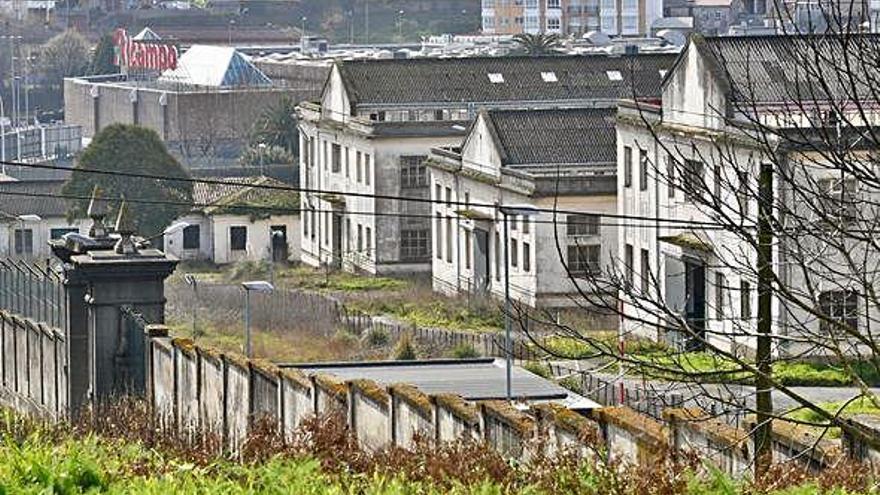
point(556, 169)
point(364, 145)
point(564, 17)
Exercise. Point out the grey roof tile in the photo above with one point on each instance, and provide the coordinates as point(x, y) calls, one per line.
point(45, 201)
point(466, 80)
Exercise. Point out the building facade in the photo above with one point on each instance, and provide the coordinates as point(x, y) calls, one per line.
point(576, 17)
point(558, 168)
point(32, 214)
point(691, 163)
point(364, 145)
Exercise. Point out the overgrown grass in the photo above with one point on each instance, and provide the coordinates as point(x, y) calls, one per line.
point(435, 311)
point(120, 450)
point(857, 406)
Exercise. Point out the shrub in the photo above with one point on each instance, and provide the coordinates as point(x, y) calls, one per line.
point(378, 337)
point(464, 351)
point(404, 351)
point(539, 368)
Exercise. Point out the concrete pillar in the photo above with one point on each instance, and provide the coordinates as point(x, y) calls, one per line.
point(116, 363)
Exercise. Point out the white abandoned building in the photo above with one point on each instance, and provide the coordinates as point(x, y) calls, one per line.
point(238, 222)
point(701, 139)
point(377, 121)
point(540, 161)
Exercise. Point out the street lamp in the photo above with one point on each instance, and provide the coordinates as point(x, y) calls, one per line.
point(260, 286)
point(22, 219)
point(526, 211)
point(302, 35)
point(400, 14)
point(262, 148)
point(191, 280)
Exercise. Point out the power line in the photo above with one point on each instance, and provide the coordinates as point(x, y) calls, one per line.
point(191, 180)
point(243, 208)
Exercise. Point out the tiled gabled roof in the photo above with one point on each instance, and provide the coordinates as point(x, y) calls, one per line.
point(785, 69)
point(32, 198)
point(244, 195)
point(538, 79)
point(554, 137)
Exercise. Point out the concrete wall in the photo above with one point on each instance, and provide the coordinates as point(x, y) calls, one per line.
point(41, 234)
point(33, 367)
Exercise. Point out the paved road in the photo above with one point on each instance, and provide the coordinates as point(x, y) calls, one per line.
point(702, 395)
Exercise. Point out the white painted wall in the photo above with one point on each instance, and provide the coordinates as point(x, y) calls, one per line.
point(214, 238)
point(41, 234)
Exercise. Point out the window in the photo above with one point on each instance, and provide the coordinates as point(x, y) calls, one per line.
point(514, 222)
point(367, 174)
point(841, 307)
point(745, 300)
point(583, 260)
point(670, 176)
point(360, 238)
point(467, 201)
point(368, 241)
point(313, 214)
point(742, 193)
point(325, 160)
point(581, 225)
point(438, 114)
point(336, 159)
point(238, 238)
point(413, 245)
point(527, 224)
point(497, 256)
point(438, 227)
point(449, 239)
point(628, 253)
point(552, 4)
point(643, 170)
point(24, 242)
point(692, 179)
point(527, 257)
point(716, 181)
point(59, 233)
point(192, 237)
point(646, 271)
point(514, 253)
point(838, 199)
point(467, 249)
point(347, 166)
point(438, 193)
point(358, 163)
point(349, 235)
point(627, 166)
point(553, 23)
point(720, 289)
point(413, 172)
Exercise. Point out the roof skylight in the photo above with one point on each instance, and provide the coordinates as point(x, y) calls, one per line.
point(549, 77)
point(496, 78)
point(614, 75)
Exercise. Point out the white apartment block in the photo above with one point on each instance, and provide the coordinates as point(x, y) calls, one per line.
point(557, 167)
point(364, 145)
point(564, 17)
point(698, 138)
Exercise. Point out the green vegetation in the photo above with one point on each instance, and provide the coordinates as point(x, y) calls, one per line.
point(404, 350)
point(848, 408)
point(464, 351)
point(663, 363)
point(434, 311)
point(117, 451)
point(133, 149)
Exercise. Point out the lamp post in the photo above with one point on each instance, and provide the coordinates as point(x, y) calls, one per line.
point(262, 148)
point(400, 14)
point(191, 280)
point(302, 35)
point(260, 286)
point(526, 211)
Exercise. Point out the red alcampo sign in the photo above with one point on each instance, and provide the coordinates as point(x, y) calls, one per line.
point(131, 53)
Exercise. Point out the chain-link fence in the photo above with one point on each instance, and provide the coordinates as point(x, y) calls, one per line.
point(33, 290)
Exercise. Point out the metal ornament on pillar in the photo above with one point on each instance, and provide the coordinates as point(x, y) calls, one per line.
point(97, 211)
point(125, 228)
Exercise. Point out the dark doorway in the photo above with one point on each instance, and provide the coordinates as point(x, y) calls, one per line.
point(695, 303)
point(481, 261)
point(278, 234)
point(336, 230)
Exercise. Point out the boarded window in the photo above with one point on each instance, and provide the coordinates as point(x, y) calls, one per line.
point(238, 238)
point(192, 237)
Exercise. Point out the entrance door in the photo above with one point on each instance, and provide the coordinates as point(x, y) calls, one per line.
point(695, 304)
point(278, 234)
point(337, 239)
point(481, 261)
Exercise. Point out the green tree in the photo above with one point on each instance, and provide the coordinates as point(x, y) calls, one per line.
point(132, 149)
point(538, 44)
point(102, 60)
point(277, 127)
point(65, 55)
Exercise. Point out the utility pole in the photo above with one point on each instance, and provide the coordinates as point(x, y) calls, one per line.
point(763, 357)
point(367, 21)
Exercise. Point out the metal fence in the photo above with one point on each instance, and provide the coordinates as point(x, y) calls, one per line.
point(33, 290)
point(618, 392)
